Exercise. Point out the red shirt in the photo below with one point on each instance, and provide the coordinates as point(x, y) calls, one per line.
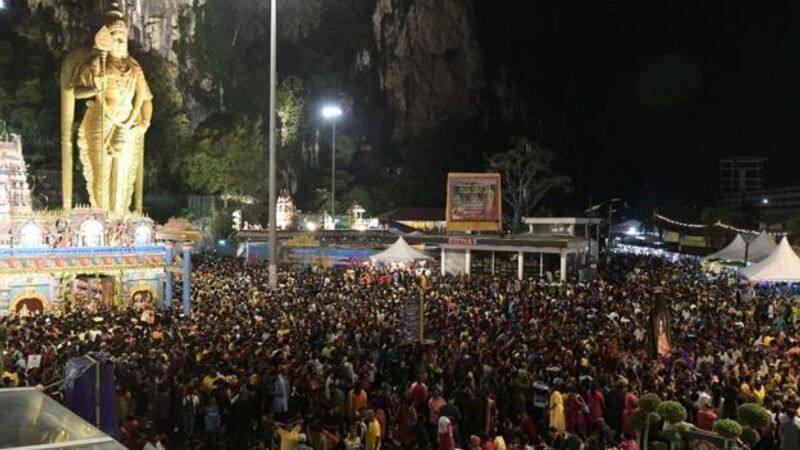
point(705, 419)
point(419, 391)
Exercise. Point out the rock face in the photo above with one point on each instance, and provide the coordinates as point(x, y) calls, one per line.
point(154, 23)
point(430, 65)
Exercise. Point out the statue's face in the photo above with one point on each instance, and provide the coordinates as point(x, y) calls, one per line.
point(119, 49)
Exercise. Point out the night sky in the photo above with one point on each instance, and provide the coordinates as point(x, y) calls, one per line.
point(643, 98)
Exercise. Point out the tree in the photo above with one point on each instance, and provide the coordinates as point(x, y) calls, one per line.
point(165, 141)
point(793, 228)
point(228, 159)
point(528, 175)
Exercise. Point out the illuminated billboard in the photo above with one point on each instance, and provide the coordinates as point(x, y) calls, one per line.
point(474, 202)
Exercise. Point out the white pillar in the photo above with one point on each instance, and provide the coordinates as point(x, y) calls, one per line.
point(467, 262)
point(520, 265)
point(563, 266)
point(492, 262)
point(444, 262)
point(541, 265)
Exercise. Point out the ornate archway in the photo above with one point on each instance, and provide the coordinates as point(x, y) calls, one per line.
point(142, 297)
point(29, 303)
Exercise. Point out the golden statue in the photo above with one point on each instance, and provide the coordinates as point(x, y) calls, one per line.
point(119, 108)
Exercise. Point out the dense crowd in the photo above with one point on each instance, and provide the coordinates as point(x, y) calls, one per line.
point(326, 361)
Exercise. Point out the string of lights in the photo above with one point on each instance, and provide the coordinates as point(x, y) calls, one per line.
point(742, 230)
point(717, 224)
point(679, 223)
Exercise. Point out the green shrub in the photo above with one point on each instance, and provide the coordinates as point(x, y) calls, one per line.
point(658, 445)
point(750, 436)
point(638, 420)
point(753, 415)
point(673, 412)
point(727, 428)
point(649, 402)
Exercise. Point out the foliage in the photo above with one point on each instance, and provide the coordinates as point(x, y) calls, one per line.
point(228, 159)
point(727, 428)
point(793, 228)
point(649, 402)
point(673, 432)
point(528, 175)
point(753, 415)
point(29, 98)
point(222, 224)
point(672, 411)
point(166, 140)
point(750, 436)
point(639, 419)
point(289, 109)
point(659, 445)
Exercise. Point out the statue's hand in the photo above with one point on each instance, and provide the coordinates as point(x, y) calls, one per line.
point(141, 127)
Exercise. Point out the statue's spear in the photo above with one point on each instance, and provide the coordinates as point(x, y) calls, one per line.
point(103, 41)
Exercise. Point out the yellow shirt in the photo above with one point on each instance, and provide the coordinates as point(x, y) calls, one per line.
point(11, 376)
point(558, 420)
point(759, 395)
point(208, 381)
point(289, 437)
point(373, 435)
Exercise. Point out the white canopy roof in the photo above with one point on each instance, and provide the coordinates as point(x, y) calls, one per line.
point(782, 265)
point(761, 247)
point(399, 252)
point(734, 251)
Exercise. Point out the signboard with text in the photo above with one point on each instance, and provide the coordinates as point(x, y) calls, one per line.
point(474, 202)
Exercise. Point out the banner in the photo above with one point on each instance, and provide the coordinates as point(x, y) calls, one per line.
point(329, 257)
point(474, 202)
point(411, 319)
point(34, 362)
point(90, 383)
point(672, 237)
point(694, 241)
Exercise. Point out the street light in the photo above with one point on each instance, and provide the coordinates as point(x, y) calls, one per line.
point(332, 112)
point(273, 226)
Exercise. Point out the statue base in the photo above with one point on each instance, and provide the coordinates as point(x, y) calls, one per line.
point(82, 259)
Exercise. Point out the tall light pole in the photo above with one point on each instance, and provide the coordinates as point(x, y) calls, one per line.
point(332, 112)
point(273, 249)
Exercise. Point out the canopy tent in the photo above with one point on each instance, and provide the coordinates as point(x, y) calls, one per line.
point(399, 252)
point(782, 265)
point(760, 247)
point(734, 251)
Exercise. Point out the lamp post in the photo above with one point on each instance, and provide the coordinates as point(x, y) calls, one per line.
point(332, 112)
point(273, 250)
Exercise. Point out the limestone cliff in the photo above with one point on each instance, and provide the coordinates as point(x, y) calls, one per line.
point(430, 65)
point(154, 23)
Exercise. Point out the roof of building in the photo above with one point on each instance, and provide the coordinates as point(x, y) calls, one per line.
point(560, 220)
point(421, 213)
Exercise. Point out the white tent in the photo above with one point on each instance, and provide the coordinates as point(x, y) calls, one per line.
point(735, 251)
point(760, 247)
point(399, 252)
point(782, 265)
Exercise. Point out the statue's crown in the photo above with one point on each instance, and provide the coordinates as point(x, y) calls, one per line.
point(115, 18)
